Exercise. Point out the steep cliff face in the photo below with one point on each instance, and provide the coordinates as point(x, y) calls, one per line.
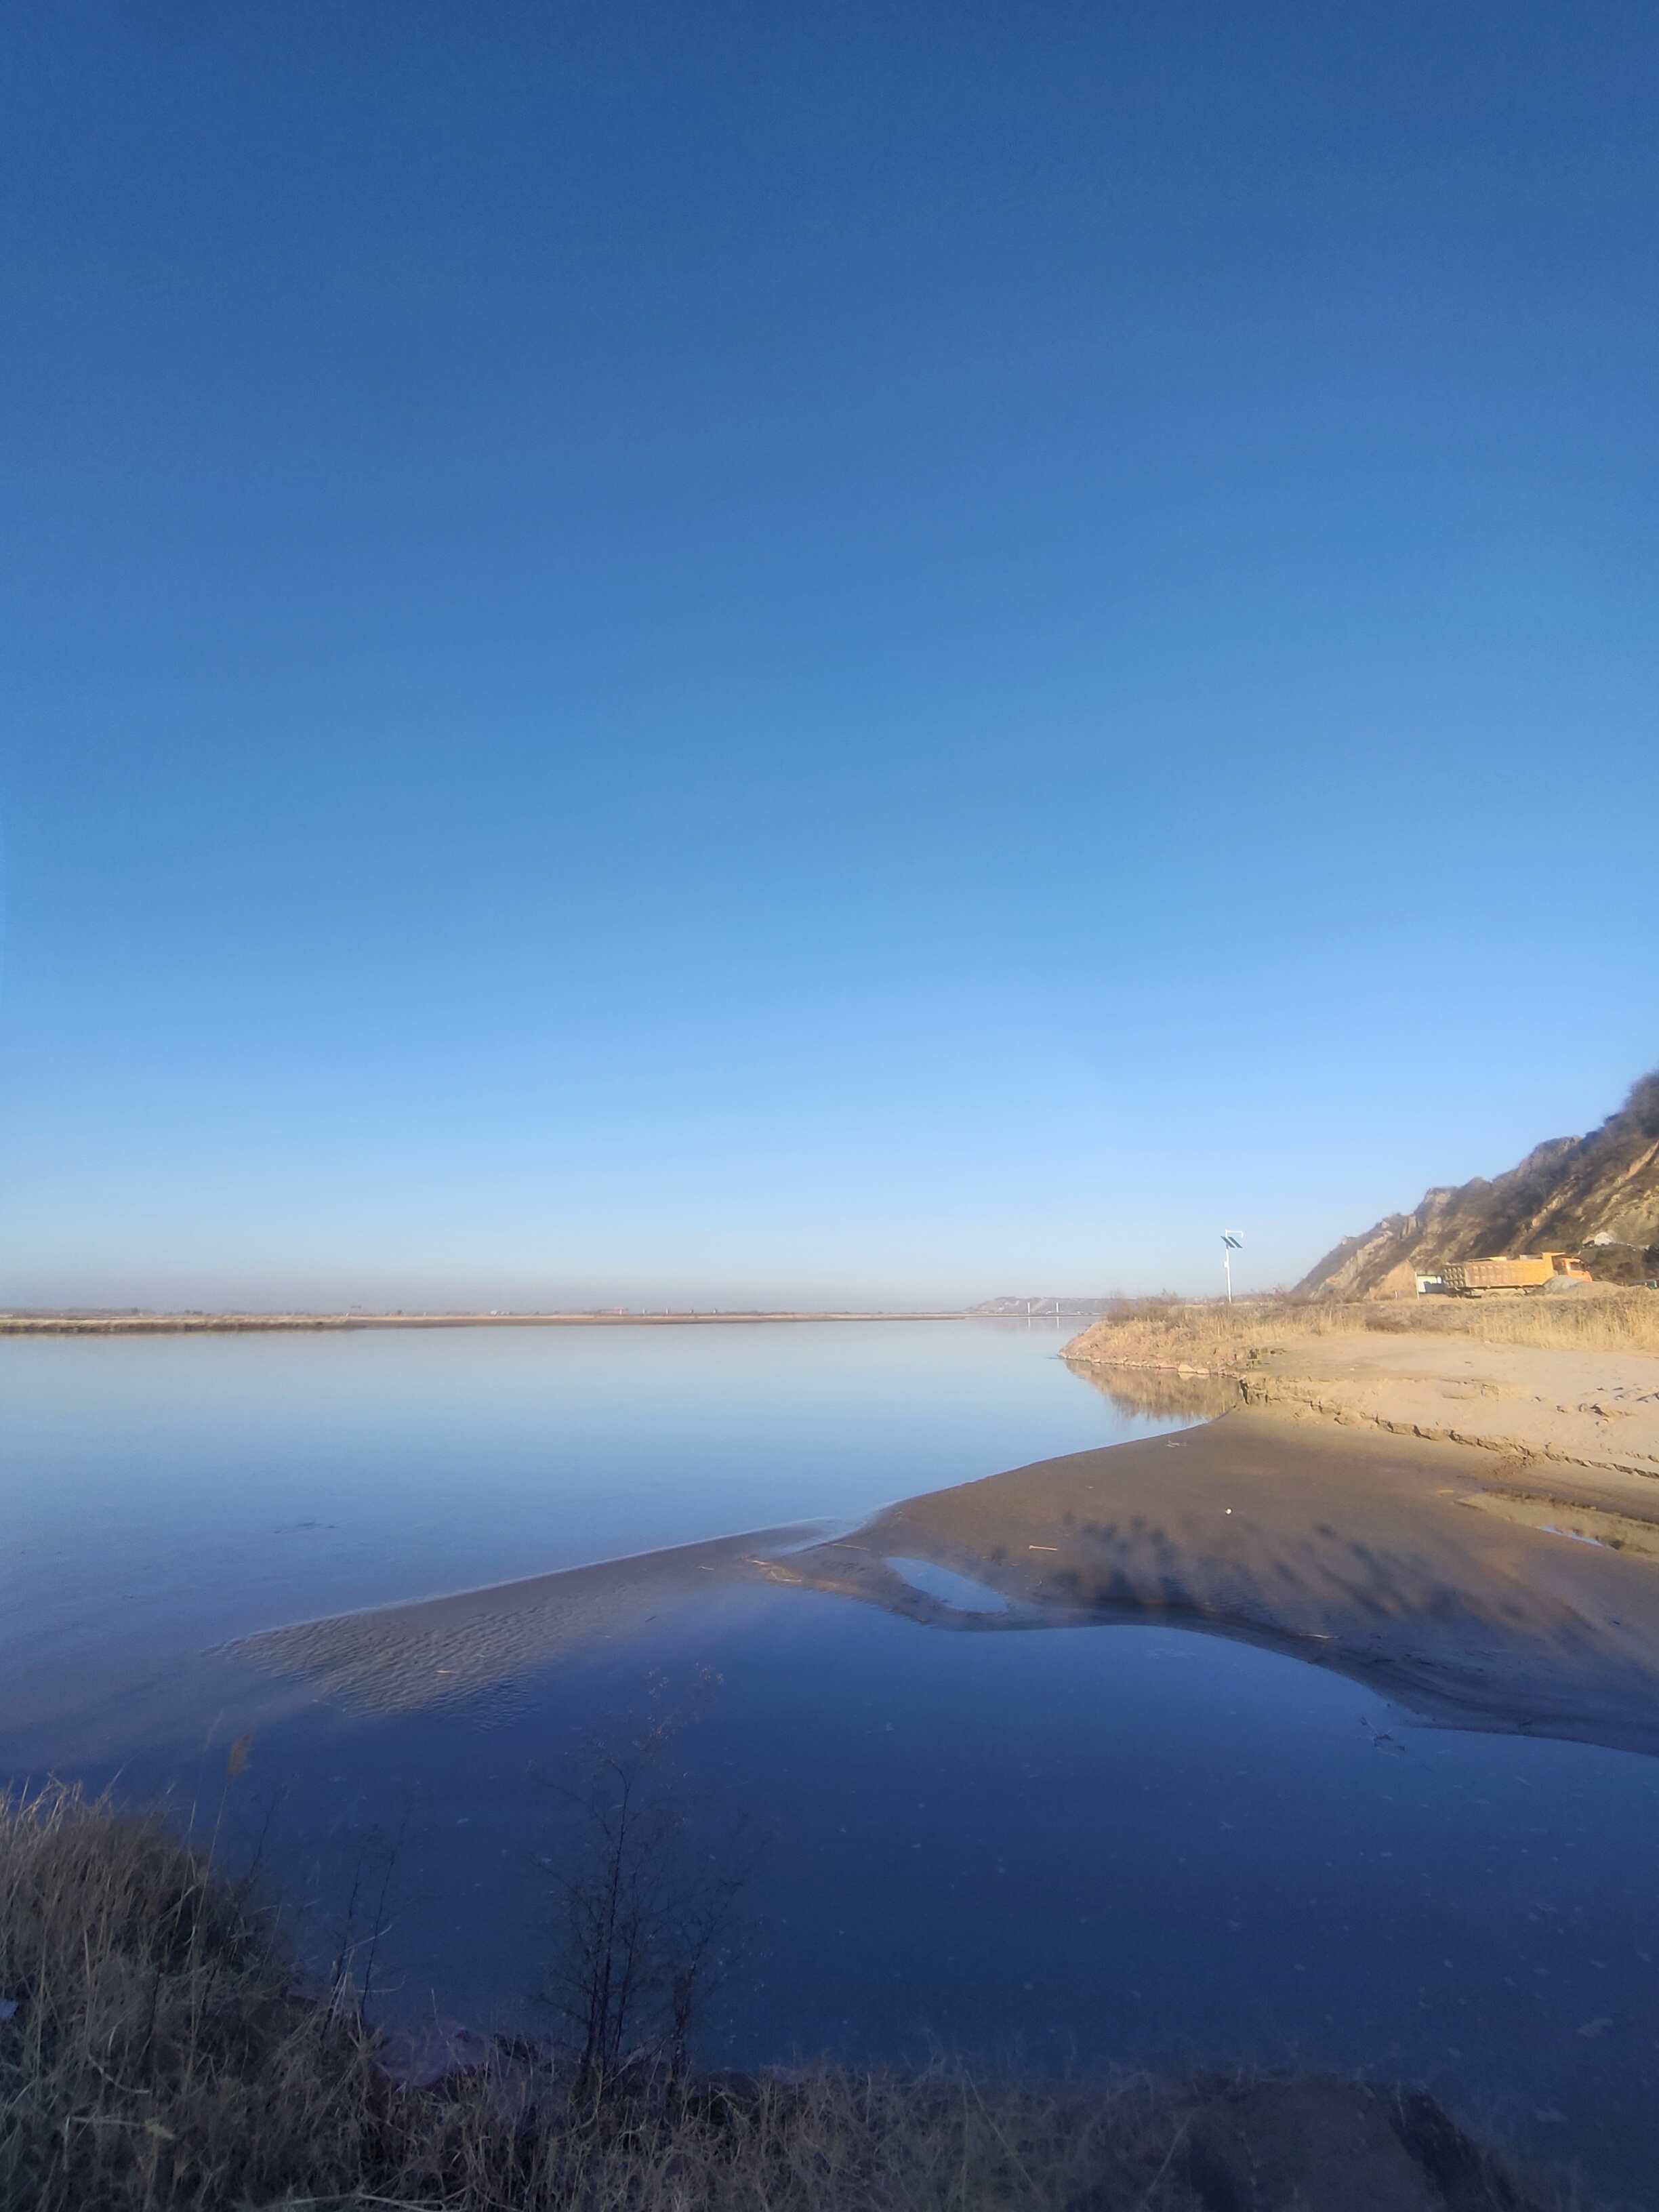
point(1564, 1195)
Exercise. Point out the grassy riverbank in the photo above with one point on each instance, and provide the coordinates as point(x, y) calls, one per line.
point(1573, 1380)
point(156, 2051)
point(1208, 1332)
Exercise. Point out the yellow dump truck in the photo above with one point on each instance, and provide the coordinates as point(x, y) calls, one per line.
point(1471, 1277)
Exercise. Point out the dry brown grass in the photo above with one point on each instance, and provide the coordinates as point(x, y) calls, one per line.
point(157, 2054)
point(157, 2051)
point(1209, 1332)
point(1602, 1321)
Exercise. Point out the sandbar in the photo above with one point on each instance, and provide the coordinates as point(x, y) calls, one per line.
point(1477, 1591)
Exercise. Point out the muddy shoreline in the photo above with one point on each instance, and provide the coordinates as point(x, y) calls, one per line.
point(1476, 1590)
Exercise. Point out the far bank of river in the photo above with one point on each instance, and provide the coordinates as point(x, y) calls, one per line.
point(242, 1324)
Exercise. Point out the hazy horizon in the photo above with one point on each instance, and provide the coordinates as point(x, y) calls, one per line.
point(846, 657)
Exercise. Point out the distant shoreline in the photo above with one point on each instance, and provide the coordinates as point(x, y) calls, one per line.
point(232, 1324)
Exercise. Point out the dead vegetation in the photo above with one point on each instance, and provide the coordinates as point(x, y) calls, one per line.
point(1167, 1332)
point(156, 2050)
point(157, 2053)
point(1599, 1320)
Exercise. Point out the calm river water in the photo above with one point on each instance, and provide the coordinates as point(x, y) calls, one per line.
point(1084, 1845)
point(160, 1490)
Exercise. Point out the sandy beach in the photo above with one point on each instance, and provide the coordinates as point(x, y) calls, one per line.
point(1597, 1411)
point(1577, 1388)
point(1459, 1584)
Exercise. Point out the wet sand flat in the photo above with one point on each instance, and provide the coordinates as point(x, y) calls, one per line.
point(446, 1651)
point(1478, 1591)
point(1482, 1592)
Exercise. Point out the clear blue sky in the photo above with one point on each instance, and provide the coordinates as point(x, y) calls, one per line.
point(703, 652)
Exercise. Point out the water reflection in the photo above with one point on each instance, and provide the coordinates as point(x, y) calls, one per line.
point(960, 1593)
point(1117, 1839)
point(1126, 1843)
point(1163, 1393)
point(173, 1492)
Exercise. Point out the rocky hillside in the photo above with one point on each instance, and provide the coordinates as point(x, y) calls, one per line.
point(1596, 1195)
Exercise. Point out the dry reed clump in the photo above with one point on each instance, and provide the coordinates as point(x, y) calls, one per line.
point(156, 2055)
point(828, 2140)
point(1203, 1333)
point(155, 2051)
point(1602, 1320)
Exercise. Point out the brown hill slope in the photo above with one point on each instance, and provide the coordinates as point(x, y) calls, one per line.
point(1563, 1193)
